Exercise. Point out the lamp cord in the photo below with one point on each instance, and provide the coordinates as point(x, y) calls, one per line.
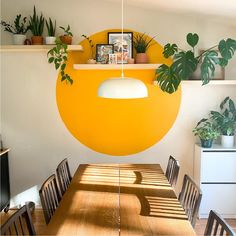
point(122, 33)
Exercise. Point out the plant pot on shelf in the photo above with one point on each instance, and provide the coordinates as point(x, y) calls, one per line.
point(49, 40)
point(206, 143)
point(19, 39)
point(227, 141)
point(141, 58)
point(37, 40)
point(91, 61)
point(66, 39)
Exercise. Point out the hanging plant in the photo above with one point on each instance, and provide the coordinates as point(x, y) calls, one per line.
point(185, 62)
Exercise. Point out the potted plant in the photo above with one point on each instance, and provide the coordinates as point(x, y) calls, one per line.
point(226, 121)
point(18, 30)
point(67, 37)
point(36, 25)
point(207, 132)
point(58, 56)
point(185, 63)
point(141, 44)
point(51, 28)
point(91, 60)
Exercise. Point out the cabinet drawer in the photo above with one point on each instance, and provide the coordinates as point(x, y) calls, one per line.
point(218, 167)
point(218, 197)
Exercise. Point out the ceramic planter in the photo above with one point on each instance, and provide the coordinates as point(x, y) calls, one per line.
point(141, 58)
point(66, 39)
point(49, 40)
point(227, 141)
point(19, 39)
point(206, 143)
point(37, 40)
point(91, 61)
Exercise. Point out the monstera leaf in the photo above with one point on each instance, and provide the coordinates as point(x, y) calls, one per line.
point(192, 39)
point(227, 48)
point(169, 50)
point(210, 59)
point(185, 64)
point(167, 79)
point(223, 62)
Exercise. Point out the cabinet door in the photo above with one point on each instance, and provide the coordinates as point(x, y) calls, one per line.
point(218, 167)
point(218, 197)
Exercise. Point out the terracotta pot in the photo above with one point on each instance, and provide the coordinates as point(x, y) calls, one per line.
point(141, 58)
point(37, 40)
point(66, 39)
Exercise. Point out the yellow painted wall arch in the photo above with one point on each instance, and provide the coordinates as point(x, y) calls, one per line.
point(111, 126)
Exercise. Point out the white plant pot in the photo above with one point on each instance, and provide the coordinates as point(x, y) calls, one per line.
point(19, 39)
point(50, 40)
point(227, 141)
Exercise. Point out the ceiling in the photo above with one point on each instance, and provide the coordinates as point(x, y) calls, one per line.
point(223, 8)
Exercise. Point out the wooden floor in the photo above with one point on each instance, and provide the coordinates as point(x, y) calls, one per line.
point(39, 222)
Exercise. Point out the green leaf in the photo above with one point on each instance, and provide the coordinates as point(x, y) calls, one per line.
point(51, 59)
point(167, 79)
point(224, 102)
point(57, 65)
point(231, 106)
point(227, 48)
point(210, 59)
point(223, 62)
point(63, 66)
point(184, 64)
point(192, 39)
point(169, 50)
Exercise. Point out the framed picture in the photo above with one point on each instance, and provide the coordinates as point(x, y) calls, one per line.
point(103, 51)
point(115, 38)
point(218, 75)
point(112, 59)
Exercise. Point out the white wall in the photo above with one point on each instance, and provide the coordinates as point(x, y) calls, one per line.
point(31, 125)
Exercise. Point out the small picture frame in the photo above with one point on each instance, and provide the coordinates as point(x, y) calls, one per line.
point(112, 59)
point(115, 38)
point(102, 53)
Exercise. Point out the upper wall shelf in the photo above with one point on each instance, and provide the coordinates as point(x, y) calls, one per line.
point(115, 66)
point(212, 82)
point(35, 48)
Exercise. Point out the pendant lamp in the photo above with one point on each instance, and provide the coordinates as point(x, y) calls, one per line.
point(122, 87)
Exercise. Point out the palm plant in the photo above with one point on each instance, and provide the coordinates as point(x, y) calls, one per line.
point(36, 24)
point(51, 28)
point(141, 42)
point(67, 30)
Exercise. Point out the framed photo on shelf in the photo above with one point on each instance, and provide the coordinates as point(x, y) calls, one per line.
point(102, 53)
point(112, 59)
point(115, 38)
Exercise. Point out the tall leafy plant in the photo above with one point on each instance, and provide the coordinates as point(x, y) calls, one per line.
point(51, 28)
point(36, 24)
point(141, 42)
point(185, 62)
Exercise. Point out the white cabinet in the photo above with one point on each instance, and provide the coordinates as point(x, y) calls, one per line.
point(215, 173)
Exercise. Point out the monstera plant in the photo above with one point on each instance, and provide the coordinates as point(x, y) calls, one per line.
point(185, 62)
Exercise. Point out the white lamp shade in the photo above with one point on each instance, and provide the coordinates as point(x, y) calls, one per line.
point(122, 88)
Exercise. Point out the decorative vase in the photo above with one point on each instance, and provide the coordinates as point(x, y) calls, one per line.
point(19, 39)
point(206, 143)
point(37, 40)
point(141, 58)
point(227, 141)
point(91, 61)
point(66, 39)
point(49, 40)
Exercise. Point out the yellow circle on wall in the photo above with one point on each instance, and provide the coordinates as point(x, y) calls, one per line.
point(113, 126)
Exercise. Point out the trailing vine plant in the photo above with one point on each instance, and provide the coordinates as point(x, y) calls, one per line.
point(185, 62)
point(58, 55)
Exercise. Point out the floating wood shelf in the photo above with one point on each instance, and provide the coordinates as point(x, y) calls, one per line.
point(116, 66)
point(212, 82)
point(35, 48)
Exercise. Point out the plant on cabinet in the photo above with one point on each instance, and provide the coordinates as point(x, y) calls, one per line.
point(67, 37)
point(58, 55)
point(36, 26)
point(92, 59)
point(141, 44)
point(18, 30)
point(225, 120)
point(51, 28)
point(185, 63)
point(207, 132)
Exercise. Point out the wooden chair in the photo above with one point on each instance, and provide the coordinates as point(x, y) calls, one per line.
point(190, 198)
point(20, 223)
point(50, 197)
point(172, 171)
point(63, 176)
point(217, 226)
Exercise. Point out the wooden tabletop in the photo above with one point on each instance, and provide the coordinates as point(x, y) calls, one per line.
point(125, 199)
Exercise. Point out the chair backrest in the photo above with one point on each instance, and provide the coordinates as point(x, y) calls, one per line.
point(190, 198)
point(172, 171)
point(217, 226)
point(20, 223)
point(50, 197)
point(63, 175)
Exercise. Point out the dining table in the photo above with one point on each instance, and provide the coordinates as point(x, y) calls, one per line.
point(119, 199)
